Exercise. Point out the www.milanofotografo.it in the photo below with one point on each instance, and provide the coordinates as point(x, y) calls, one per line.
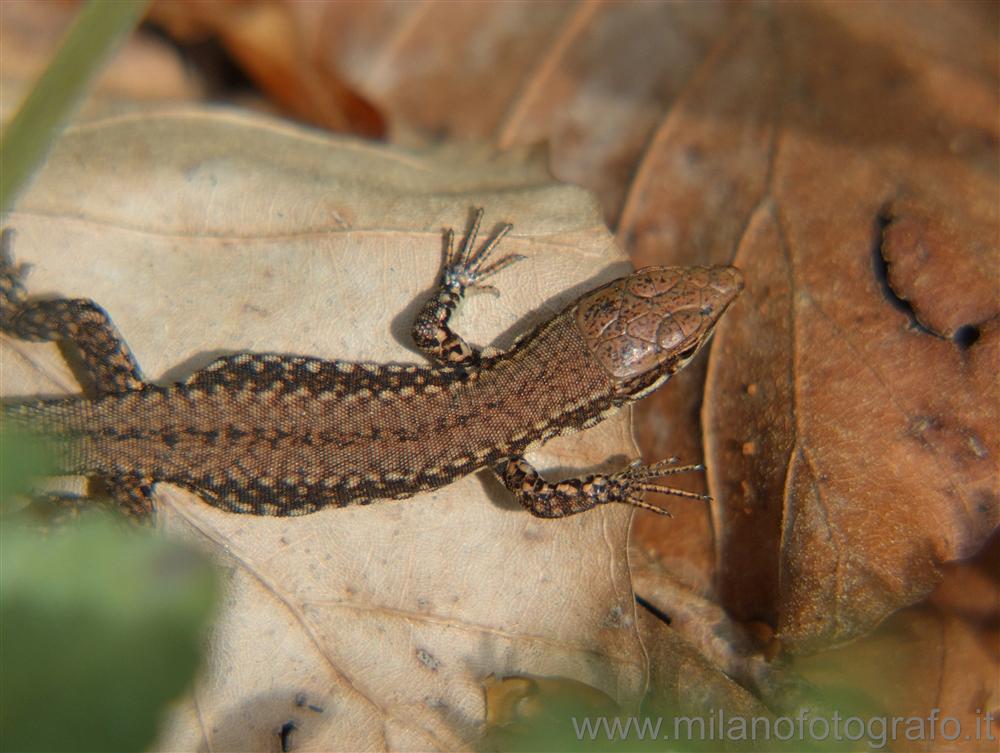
point(806, 726)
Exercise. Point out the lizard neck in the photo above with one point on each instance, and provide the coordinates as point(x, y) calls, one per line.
point(548, 384)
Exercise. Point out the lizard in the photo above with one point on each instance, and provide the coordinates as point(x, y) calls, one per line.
point(275, 434)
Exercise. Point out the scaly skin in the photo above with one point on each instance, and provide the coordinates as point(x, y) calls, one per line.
point(276, 435)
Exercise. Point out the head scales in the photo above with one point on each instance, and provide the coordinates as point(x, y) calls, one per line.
point(645, 327)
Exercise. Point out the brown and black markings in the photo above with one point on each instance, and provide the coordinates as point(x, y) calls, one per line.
point(271, 434)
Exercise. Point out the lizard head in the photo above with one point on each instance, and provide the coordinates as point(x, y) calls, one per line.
point(645, 327)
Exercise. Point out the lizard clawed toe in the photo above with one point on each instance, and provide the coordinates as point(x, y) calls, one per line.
point(637, 479)
point(638, 501)
point(466, 268)
point(639, 472)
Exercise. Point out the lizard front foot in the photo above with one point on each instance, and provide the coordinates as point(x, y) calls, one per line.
point(557, 499)
point(467, 268)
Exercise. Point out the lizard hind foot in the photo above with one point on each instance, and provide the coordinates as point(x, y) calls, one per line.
point(105, 357)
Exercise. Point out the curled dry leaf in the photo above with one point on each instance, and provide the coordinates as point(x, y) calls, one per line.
point(704, 628)
point(358, 628)
point(274, 52)
point(684, 682)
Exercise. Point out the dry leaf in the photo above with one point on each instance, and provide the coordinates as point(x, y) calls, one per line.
point(265, 42)
point(855, 448)
point(368, 627)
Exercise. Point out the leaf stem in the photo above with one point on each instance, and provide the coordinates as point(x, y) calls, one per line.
point(96, 33)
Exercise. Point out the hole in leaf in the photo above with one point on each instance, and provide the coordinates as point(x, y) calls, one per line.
point(653, 610)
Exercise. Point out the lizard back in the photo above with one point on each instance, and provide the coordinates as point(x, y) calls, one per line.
point(282, 435)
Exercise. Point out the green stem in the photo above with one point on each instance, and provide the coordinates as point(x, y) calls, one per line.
point(101, 25)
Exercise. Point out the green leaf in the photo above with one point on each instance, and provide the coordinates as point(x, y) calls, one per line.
point(101, 627)
point(22, 458)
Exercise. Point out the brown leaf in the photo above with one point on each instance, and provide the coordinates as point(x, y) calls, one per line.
point(854, 448)
point(266, 43)
point(361, 627)
point(846, 158)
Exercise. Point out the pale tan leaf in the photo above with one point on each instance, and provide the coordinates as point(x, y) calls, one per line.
point(369, 627)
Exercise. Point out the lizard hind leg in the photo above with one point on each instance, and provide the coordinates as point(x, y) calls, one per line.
point(105, 356)
point(132, 495)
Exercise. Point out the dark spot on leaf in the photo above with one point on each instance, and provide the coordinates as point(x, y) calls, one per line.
point(428, 660)
point(966, 336)
point(986, 502)
point(285, 735)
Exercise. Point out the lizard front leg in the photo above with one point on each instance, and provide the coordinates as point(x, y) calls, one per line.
point(106, 357)
point(548, 499)
point(462, 270)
